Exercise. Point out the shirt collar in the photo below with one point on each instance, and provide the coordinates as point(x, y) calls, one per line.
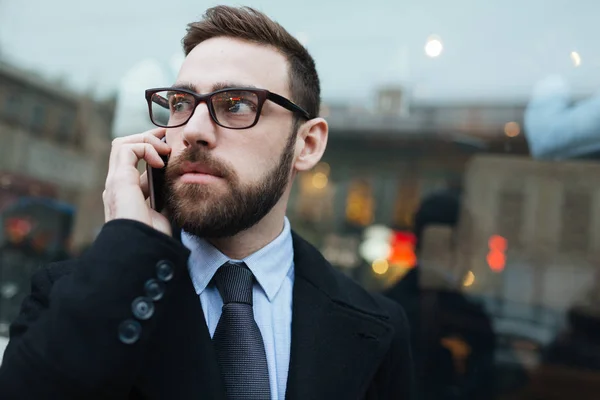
point(270, 265)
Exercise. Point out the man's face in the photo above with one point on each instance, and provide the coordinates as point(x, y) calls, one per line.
point(237, 176)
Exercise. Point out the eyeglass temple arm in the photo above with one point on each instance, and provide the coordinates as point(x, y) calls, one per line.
point(285, 103)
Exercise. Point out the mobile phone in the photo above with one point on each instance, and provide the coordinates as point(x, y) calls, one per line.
point(156, 184)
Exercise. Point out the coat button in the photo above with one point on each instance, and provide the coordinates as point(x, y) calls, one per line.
point(142, 308)
point(129, 331)
point(164, 270)
point(154, 289)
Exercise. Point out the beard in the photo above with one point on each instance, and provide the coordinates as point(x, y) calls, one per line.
point(204, 211)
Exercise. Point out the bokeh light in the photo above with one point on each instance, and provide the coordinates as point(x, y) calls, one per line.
point(380, 266)
point(434, 46)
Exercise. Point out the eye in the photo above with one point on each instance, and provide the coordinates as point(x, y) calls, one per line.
point(236, 104)
point(179, 103)
point(240, 105)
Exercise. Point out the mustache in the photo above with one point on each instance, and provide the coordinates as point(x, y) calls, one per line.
point(191, 155)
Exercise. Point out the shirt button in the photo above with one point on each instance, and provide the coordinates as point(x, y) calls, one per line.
point(154, 289)
point(164, 270)
point(142, 308)
point(129, 331)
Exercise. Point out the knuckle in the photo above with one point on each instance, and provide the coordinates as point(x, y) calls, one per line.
point(148, 148)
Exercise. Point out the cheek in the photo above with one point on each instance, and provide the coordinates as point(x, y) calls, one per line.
point(250, 167)
point(253, 158)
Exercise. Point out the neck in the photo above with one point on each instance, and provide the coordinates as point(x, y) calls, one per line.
point(255, 238)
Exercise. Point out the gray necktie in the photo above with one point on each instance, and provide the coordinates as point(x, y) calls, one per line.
point(237, 339)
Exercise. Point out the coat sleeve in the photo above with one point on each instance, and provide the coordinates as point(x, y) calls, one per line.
point(70, 340)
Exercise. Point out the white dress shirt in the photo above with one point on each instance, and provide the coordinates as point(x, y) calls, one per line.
point(273, 267)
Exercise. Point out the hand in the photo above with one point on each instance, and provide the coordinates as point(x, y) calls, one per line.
point(125, 190)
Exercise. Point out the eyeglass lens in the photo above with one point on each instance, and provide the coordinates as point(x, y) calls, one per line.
point(232, 109)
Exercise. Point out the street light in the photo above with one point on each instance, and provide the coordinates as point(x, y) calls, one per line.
point(576, 58)
point(434, 46)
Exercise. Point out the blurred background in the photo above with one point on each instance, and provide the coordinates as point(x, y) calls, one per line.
point(462, 175)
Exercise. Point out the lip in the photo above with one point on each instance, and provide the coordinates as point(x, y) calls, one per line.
point(198, 168)
point(198, 178)
point(198, 173)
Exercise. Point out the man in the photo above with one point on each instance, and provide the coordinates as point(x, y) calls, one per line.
point(221, 299)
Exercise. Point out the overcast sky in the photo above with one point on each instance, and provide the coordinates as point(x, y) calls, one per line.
point(493, 49)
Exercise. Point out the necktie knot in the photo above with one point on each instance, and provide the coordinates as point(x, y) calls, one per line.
point(234, 282)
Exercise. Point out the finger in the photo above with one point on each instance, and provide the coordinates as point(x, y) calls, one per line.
point(131, 154)
point(150, 137)
point(160, 222)
point(139, 137)
point(159, 145)
point(158, 132)
point(149, 150)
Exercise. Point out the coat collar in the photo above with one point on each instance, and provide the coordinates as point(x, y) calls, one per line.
point(339, 332)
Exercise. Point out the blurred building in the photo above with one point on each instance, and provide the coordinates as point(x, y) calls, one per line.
point(382, 161)
point(131, 115)
point(513, 276)
point(55, 144)
point(529, 235)
point(54, 154)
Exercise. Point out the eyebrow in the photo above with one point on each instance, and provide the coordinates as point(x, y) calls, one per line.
point(215, 87)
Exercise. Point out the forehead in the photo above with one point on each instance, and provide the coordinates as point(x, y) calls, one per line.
point(222, 59)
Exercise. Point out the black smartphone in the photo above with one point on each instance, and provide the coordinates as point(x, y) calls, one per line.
point(156, 184)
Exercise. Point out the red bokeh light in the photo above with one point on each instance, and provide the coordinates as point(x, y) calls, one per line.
point(496, 257)
point(17, 228)
point(496, 260)
point(498, 243)
point(402, 251)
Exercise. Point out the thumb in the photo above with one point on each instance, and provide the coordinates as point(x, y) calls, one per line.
point(161, 223)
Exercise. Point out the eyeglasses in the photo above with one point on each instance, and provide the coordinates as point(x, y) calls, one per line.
point(233, 108)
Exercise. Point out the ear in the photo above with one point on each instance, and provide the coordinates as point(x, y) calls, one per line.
point(310, 144)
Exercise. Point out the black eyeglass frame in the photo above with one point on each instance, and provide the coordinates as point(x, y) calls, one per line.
point(262, 95)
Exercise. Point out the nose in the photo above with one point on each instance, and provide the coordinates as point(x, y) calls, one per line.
point(200, 130)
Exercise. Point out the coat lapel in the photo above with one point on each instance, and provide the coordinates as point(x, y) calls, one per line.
point(181, 363)
point(339, 334)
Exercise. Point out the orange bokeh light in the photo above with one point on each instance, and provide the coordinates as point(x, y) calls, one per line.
point(403, 256)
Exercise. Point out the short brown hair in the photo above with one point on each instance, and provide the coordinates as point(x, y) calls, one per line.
point(248, 24)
